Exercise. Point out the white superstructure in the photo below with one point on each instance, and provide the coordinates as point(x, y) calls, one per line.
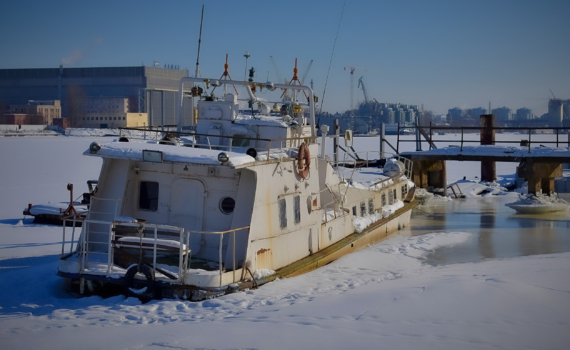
point(243, 195)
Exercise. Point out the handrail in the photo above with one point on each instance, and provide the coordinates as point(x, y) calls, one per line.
point(480, 128)
point(221, 233)
point(184, 238)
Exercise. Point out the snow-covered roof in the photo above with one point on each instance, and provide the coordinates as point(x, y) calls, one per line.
point(171, 154)
point(261, 120)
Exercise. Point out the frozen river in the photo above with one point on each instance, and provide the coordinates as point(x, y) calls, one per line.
point(498, 232)
point(384, 294)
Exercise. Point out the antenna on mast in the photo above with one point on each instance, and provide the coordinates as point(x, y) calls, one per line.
point(199, 43)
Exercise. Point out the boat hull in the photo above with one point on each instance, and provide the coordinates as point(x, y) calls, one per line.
point(375, 233)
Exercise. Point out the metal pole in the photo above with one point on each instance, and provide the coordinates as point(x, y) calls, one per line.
point(461, 139)
point(529, 133)
point(557, 137)
point(430, 135)
point(109, 250)
point(234, 253)
point(398, 140)
point(180, 240)
point(382, 137)
point(154, 250)
point(63, 242)
point(188, 256)
point(72, 234)
point(336, 139)
point(221, 241)
point(418, 140)
point(247, 55)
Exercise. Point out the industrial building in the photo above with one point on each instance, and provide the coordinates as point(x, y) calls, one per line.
point(47, 109)
point(148, 90)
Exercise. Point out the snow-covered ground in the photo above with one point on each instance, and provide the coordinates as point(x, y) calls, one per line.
point(384, 296)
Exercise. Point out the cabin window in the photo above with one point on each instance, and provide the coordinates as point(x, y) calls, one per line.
point(404, 191)
point(354, 211)
point(383, 199)
point(371, 206)
point(309, 205)
point(282, 213)
point(395, 195)
point(362, 208)
point(227, 205)
point(148, 196)
point(240, 141)
point(297, 208)
point(390, 197)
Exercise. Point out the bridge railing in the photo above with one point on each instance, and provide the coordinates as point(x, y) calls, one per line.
point(428, 131)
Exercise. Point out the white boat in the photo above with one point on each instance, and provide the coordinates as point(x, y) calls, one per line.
point(243, 200)
point(541, 204)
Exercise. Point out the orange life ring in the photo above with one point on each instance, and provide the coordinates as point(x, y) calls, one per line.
point(303, 161)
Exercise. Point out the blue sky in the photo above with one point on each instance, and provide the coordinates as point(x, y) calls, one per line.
point(442, 54)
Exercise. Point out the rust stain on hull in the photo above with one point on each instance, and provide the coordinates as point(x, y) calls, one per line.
point(264, 259)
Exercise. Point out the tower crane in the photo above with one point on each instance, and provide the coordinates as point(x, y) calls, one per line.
point(352, 69)
point(361, 84)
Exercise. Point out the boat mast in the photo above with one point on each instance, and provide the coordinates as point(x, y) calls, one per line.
point(179, 121)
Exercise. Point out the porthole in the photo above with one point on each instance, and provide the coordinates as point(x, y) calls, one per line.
point(227, 205)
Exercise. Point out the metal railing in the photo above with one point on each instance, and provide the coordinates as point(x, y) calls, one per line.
point(285, 146)
point(184, 252)
point(336, 165)
point(220, 254)
point(557, 131)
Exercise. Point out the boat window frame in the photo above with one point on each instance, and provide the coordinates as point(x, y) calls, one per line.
point(390, 197)
point(362, 208)
point(297, 208)
point(150, 206)
point(383, 199)
point(371, 206)
point(221, 207)
point(282, 205)
point(240, 140)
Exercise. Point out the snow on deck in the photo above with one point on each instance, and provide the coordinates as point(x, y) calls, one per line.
point(173, 154)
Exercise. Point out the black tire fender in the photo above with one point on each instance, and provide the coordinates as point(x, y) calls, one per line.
point(144, 293)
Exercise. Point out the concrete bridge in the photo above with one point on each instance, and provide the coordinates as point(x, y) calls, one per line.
point(539, 165)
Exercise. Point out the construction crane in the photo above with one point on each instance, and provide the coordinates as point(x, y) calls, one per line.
point(352, 69)
point(361, 84)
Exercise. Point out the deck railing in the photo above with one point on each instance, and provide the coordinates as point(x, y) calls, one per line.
point(353, 162)
point(220, 251)
point(276, 148)
point(114, 239)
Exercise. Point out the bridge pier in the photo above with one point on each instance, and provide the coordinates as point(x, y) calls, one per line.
point(426, 173)
point(540, 175)
point(488, 168)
